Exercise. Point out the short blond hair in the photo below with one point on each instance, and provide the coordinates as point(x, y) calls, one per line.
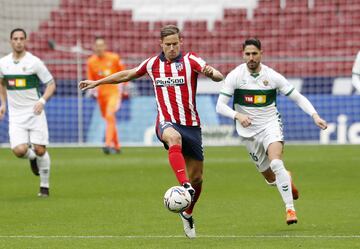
point(169, 30)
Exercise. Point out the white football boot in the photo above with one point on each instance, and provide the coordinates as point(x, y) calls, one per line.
point(189, 226)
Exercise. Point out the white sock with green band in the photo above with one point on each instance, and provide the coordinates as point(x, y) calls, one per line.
point(44, 169)
point(283, 182)
point(30, 154)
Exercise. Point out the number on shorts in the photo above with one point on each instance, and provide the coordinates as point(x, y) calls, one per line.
point(254, 157)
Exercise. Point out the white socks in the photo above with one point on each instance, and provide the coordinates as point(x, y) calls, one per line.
point(43, 163)
point(283, 182)
point(30, 154)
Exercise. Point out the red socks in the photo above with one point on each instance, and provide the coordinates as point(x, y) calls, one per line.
point(177, 162)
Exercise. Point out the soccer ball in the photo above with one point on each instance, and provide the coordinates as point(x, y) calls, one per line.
point(177, 199)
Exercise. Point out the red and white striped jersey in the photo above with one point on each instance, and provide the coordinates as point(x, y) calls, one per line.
point(175, 86)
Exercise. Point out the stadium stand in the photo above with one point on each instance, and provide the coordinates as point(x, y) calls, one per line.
point(307, 35)
point(313, 43)
point(26, 17)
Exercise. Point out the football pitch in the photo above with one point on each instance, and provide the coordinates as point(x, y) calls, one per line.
point(115, 201)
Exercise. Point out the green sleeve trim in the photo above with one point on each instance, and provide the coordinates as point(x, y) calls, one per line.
point(228, 95)
point(356, 73)
point(290, 91)
point(48, 81)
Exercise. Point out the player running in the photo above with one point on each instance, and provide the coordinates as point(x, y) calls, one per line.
point(253, 87)
point(174, 76)
point(20, 77)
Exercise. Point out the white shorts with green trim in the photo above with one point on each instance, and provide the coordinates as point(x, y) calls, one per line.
point(33, 130)
point(257, 145)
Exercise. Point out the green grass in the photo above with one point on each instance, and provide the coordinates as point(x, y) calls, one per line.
point(117, 200)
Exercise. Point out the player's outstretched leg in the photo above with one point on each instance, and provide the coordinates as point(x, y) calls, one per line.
point(283, 183)
point(44, 170)
point(30, 154)
point(294, 190)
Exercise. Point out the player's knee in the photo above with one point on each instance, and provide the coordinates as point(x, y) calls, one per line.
point(20, 151)
point(39, 150)
point(277, 166)
point(174, 139)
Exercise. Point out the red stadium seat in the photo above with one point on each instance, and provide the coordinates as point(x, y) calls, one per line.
point(327, 29)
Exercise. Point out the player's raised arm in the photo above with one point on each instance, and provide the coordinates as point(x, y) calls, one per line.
point(212, 73)
point(308, 108)
point(116, 78)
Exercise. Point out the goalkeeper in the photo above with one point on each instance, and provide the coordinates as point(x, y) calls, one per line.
point(253, 87)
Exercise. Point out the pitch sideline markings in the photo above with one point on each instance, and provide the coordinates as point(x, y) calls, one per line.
point(174, 236)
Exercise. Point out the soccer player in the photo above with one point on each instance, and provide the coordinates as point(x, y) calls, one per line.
point(174, 75)
point(356, 73)
point(20, 76)
point(100, 65)
point(253, 87)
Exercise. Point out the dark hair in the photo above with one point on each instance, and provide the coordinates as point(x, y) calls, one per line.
point(169, 30)
point(16, 30)
point(252, 41)
point(99, 37)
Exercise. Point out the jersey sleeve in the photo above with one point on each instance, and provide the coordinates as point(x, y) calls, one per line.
point(229, 86)
point(281, 83)
point(1, 73)
point(142, 68)
point(356, 66)
point(196, 62)
point(42, 72)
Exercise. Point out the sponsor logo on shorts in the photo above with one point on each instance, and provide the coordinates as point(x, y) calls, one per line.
point(170, 81)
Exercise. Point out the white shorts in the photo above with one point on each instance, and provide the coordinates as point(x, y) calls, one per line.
point(257, 145)
point(34, 130)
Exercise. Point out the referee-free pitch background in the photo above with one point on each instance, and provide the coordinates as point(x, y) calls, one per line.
point(100, 201)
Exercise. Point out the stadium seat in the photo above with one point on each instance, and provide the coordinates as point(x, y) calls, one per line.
point(290, 32)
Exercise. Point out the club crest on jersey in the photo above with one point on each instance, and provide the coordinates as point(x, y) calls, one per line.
point(170, 81)
point(179, 66)
point(265, 82)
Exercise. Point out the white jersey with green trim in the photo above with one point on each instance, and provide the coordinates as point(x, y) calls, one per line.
point(255, 96)
point(356, 66)
point(22, 79)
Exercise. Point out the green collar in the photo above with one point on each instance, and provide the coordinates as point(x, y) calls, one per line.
point(254, 75)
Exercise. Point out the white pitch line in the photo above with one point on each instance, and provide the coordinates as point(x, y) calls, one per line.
point(174, 236)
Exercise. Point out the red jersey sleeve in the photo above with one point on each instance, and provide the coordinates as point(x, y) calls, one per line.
point(142, 68)
point(196, 62)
